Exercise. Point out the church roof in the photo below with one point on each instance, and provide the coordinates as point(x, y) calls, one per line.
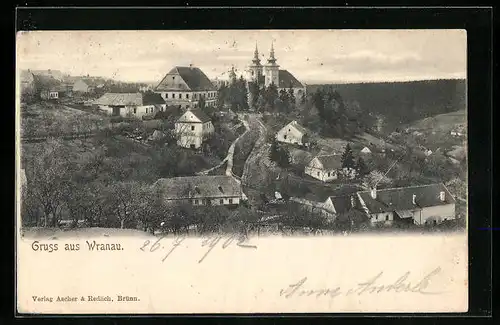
point(193, 79)
point(286, 79)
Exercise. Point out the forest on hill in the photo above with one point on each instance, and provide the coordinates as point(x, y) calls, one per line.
point(403, 102)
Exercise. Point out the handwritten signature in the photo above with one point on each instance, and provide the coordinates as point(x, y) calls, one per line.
point(210, 241)
point(370, 286)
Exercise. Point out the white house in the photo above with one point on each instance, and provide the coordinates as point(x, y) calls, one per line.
point(325, 168)
point(200, 190)
point(293, 133)
point(186, 86)
point(131, 104)
point(366, 150)
point(424, 204)
point(192, 128)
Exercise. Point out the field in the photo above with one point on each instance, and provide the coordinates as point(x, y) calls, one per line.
point(44, 118)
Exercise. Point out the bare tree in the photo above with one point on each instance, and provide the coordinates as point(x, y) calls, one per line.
point(48, 175)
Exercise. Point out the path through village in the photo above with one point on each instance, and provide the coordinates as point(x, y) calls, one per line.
point(230, 153)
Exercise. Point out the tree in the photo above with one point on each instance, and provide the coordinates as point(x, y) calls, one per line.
point(48, 178)
point(291, 96)
point(279, 155)
point(347, 157)
point(376, 178)
point(361, 167)
point(124, 199)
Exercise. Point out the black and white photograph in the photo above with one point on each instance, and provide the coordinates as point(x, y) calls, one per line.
point(223, 152)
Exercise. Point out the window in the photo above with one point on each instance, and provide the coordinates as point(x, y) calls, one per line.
point(318, 173)
point(376, 217)
point(135, 110)
point(284, 137)
point(195, 201)
point(387, 218)
point(328, 174)
point(221, 201)
point(230, 201)
point(187, 95)
point(192, 127)
point(173, 95)
point(166, 96)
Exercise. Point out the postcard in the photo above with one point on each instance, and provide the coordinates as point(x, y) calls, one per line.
point(241, 171)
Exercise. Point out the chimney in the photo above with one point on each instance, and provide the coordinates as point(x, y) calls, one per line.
point(413, 199)
point(191, 66)
point(373, 193)
point(442, 196)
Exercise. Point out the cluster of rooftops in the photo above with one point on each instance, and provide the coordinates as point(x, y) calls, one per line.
point(376, 201)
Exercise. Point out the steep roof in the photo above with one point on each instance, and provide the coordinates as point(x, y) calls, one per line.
point(199, 114)
point(193, 77)
point(90, 81)
point(56, 74)
point(47, 82)
point(150, 98)
point(297, 126)
point(342, 204)
point(330, 161)
point(26, 76)
point(395, 199)
point(120, 99)
point(192, 187)
point(286, 79)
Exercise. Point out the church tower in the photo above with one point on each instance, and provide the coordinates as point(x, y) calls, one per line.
point(272, 69)
point(255, 67)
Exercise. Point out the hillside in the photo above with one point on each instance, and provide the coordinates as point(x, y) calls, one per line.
point(442, 122)
point(404, 102)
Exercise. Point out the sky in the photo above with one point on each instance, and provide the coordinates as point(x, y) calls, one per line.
point(312, 56)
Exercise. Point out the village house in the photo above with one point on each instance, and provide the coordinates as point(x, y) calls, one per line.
point(325, 168)
point(421, 205)
point(192, 128)
point(293, 133)
point(366, 150)
point(185, 86)
point(87, 85)
point(315, 207)
point(56, 74)
point(50, 88)
point(131, 104)
point(200, 190)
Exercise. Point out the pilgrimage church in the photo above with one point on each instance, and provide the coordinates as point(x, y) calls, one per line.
point(265, 74)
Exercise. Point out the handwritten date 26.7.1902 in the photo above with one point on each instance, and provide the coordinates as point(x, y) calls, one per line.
point(209, 242)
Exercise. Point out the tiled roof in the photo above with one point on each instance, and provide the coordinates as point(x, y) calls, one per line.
point(199, 187)
point(120, 99)
point(286, 79)
point(395, 199)
point(46, 82)
point(198, 113)
point(194, 78)
point(330, 161)
point(297, 126)
point(150, 98)
point(342, 204)
point(26, 76)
